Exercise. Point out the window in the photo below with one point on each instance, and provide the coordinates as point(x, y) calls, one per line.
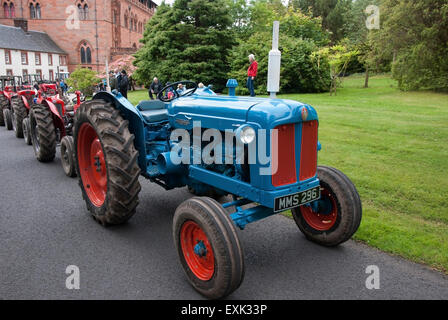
point(8, 57)
point(83, 10)
point(83, 55)
point(9, 72)
point(24, 73)
point(50, 59)
point(37, 59)
point(35, 10)
point(86, 54)
point(24, 56)
point(62, 60)
point(9, 11)
point(39, 72)
point(89, 55)
point(51, 75)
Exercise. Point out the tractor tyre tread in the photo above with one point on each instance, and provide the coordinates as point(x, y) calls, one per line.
point(121, 156)
point(349, 210)
point(20, 113)
point(42, 116)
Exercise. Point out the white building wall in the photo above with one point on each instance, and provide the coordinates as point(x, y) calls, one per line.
point(17, 67)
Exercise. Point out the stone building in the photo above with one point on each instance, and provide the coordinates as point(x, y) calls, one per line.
point(89, 31)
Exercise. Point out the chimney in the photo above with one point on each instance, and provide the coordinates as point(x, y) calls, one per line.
point(21, 23)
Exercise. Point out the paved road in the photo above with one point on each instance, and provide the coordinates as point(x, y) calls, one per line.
point(44, 227)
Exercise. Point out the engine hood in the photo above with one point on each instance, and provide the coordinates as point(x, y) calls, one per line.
point(226, 112)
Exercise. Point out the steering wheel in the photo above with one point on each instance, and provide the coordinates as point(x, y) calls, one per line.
point(174, 94)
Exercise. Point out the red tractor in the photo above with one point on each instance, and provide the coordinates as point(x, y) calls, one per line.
point(7, 92)
point(20, 107)
point(51, 122)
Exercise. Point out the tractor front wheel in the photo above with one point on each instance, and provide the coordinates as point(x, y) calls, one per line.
point(68, 156)
point(43, 133)
point(336, 216)
point(27, 131)
point(208, 247)
point(20, 112)
point(7, 118)
point(106, 162)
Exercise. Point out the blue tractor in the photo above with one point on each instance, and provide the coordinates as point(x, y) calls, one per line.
point(174, 142)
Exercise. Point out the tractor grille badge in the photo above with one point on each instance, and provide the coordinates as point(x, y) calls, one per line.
point(304, 113)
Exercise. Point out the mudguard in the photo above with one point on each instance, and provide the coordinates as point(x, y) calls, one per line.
point(130, 113)
point(57, 118)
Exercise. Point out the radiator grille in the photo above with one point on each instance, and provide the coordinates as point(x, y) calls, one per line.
point(308, 154)
point(284, 160)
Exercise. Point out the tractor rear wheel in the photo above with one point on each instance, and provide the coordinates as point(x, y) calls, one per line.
point(3, 105)
point(20, 112)
point(208, 247)
point(43, 133)
point(26, 131)
point(68, 156)
point(7, 118)
point(106, 162)
point(334, 218)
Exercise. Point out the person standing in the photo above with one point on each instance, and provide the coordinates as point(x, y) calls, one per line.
point(124, 84)
point(155, 88)
point(112, 81)
point(118, 76)
point(251, 74)
point(62, 85)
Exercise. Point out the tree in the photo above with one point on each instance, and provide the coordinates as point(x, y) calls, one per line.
point(335, 14)
point(414, 34)
point(84, 80)
point(358, 37)
point(338, 57)
point(190, 40)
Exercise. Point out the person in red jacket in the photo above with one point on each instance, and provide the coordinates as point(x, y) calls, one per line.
point(251, 74)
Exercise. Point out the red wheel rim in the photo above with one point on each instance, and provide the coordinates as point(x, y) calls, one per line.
point(320, 221)
point(198, 252)
point(92, 165)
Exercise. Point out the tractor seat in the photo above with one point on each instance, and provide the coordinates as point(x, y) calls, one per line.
point(153, 110)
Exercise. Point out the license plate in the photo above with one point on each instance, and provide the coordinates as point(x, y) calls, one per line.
point(296, 199)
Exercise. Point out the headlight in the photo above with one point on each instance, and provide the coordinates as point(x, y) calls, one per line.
point(246, 134)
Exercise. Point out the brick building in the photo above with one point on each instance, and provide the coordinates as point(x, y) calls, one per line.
point(106, 28)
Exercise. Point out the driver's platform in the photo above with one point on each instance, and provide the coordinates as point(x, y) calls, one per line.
point(153, 110)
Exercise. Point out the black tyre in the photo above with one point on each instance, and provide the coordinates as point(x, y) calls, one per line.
point(27, 131)
point(208, 247)
point(43, 133)
point(334, 218)
point(3, 105)
point(20, 112)
point(68, 156)
point(106, 162)
point(7, 118)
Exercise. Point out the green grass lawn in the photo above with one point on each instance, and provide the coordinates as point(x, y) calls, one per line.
point(393, 145)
